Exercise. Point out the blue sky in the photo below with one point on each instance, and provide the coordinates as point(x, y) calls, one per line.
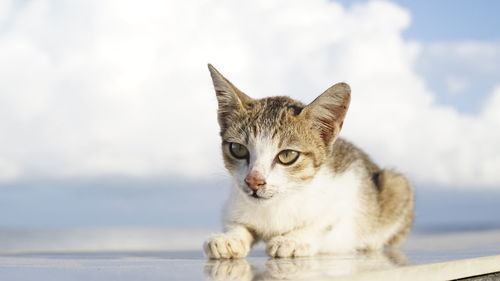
point(454, 21)
point(450, 20)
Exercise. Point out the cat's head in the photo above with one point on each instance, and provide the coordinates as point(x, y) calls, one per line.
point(275, 145)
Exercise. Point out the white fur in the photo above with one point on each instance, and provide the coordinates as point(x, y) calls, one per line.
point(263, 151)
point(327, 201)
point(319, 218)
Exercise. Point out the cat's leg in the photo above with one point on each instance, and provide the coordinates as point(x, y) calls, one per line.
point(234, 243)
point(298, 243)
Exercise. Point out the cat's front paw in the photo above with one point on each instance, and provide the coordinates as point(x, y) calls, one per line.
point(223, 246)
point(285, 247)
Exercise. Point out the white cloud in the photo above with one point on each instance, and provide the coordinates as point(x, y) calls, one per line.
point(5, 10)
point(492, 107)
point(462, 73)
point(482, 56)
point(97, 88)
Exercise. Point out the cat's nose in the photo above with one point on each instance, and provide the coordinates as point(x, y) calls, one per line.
point(255, 181)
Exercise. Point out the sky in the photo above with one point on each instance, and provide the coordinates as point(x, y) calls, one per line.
point(108, 88)
point(445, 30)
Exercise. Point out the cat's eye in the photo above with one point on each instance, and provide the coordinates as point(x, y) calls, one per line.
point(288, 157)
point(239, 151)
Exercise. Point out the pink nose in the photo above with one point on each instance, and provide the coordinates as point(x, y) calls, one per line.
point(255, 181)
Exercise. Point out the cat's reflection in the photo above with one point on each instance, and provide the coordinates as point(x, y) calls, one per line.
point(303, 268)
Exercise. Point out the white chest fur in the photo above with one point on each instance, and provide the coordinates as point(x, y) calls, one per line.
point(327, 202)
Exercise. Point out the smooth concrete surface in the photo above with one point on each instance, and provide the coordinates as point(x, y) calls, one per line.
point(166, 254)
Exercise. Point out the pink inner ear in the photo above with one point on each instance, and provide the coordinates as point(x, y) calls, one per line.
point(227, 106)
point(331, 125)
point(327, 129)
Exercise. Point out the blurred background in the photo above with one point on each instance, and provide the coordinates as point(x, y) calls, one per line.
point(108, 116)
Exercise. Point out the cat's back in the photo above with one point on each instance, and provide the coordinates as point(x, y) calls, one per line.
point(344, 155)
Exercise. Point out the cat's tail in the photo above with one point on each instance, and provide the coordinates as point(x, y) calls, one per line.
point(396, 203)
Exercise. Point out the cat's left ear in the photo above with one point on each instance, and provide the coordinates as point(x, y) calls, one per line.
point(327, 112)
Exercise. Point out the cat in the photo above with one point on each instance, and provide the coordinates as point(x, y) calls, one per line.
point(298, 186)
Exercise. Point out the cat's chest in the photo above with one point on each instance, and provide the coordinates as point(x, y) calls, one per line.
point(278, 219)
point(324, 200)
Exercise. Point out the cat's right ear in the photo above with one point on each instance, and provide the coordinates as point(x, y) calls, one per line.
point(229, 98)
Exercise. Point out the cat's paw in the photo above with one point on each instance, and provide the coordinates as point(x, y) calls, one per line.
point(285, 247)
point(223, 246)
point(225, 270)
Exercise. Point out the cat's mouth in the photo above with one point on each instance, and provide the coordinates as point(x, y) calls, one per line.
point(255, 194)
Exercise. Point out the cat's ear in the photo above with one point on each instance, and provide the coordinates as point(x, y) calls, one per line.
point(327, 112)
point(230, 99)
